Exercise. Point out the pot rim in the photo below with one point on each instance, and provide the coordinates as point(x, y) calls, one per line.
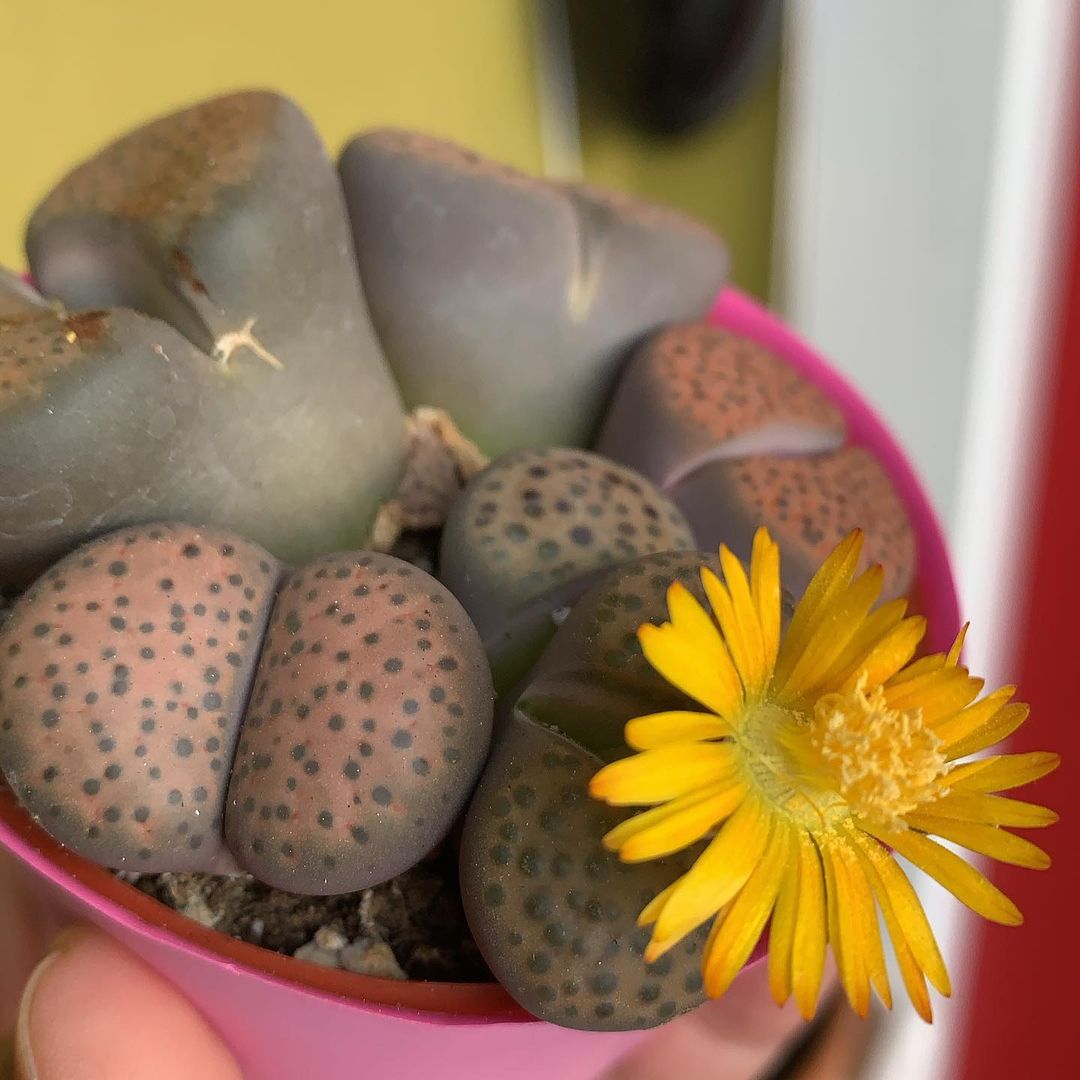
point(934, 594)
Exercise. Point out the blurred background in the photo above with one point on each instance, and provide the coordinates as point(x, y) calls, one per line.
point(896, 179)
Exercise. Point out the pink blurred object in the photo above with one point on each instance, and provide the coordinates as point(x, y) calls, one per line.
point(286, 1019)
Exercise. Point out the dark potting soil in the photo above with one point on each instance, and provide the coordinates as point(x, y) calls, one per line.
point(410, 927)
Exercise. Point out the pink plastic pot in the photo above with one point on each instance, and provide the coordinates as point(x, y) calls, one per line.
point(286, 1019)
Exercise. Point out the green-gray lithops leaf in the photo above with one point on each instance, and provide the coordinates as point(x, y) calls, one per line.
point(533, 530)
point(553, 912)
point(592, 678)
point(123, 676)
point(508, 300)
point(368, 725)
point(224, 222)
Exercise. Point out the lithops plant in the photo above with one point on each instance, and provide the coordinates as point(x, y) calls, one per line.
point(512, 301)
point(369, 723)
point(130, 730)
point(533, 530)
point(552, 909)
point(251, 391)
point(738, 439)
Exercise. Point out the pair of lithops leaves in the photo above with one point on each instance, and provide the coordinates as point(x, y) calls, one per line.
point(216, 357)
point(174, 698)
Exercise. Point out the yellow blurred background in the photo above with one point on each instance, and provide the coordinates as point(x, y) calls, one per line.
point(74, 75)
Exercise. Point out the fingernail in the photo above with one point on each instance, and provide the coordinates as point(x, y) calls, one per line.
point(25, 1068)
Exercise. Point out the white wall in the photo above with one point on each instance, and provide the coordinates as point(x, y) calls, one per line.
point(887, 144)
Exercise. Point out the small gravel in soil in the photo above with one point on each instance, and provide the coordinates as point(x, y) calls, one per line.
point(411, 927)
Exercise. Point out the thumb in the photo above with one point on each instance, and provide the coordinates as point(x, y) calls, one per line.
point(93, 1010)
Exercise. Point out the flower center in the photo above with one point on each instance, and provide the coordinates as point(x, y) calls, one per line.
point(884, 762)
point(854, 755)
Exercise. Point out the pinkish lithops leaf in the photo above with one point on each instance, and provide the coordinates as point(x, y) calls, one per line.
point(809, 504)
point(225, 225)
point(737, 438)
point(123, 674)
point(368, 725)
point(696, 393)
point(533, 530)
point(17, 298)
point(508, 300)
point(553, 912)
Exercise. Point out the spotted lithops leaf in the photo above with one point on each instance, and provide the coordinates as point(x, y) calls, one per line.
point(696, 393)
point(368, 725)
point(123, 675)
point(533, 530)
point(593, 678)
point(224, 222)
point(808, 504)
point(511, 301)
point(737, 438)
point(554, 912)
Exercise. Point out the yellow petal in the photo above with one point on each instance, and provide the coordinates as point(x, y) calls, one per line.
point(734, 937)
point(708, 677)
point(938, 694)
point(720, 872)
point(674, 826)
point(651, 911)
point(992, 810)
point(765, 588)
point(865, 919)
point(782, 927)
point(838, 624)
point(952, 872)
point(984, 840)
point(832, 579)
point(886, 656)
point(750, 655)
point(1000, 726)
point(655, 776)
point(953, 657)
point(923, 666)
point(910, 971)
point(811, 926)
point(908, 909)
point(690, 619)
point(1001, 772)
point(662, 728)
point(845, 929)
point(953, 727)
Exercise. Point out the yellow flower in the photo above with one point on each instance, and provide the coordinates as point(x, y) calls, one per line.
point(824, 751)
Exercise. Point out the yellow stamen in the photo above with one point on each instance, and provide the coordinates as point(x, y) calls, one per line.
point(885, 762)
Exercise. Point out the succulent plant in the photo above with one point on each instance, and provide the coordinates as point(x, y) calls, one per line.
point(511, 301)
point(553, 911)
point(127, 730)
point(738, 439)
point(174, 697)
point(369, 722)
point(252, 369)
point(532, 531)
